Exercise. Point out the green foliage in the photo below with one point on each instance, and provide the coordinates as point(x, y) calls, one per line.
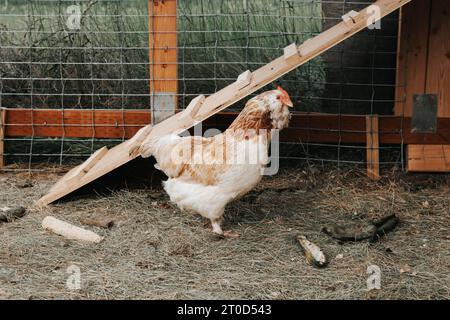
point(243, 35)
point(217, 41)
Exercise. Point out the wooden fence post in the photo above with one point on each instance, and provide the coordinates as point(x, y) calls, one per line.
point(2, 136)
point(372, 145)
point(163, 58)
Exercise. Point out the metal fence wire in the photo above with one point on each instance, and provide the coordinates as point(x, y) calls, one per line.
point(103, 63)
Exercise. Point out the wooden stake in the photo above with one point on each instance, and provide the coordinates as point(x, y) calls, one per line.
point(163, 57)
point(372, 145)
point(2, 136)
point(70, 231)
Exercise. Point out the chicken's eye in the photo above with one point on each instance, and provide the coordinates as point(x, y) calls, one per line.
point(278, 97)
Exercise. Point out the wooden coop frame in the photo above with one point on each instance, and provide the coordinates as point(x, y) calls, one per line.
point(134, 124)
point(423, 69)
point(163, 58)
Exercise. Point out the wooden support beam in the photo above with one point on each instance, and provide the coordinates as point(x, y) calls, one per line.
point(75, 123)
point(305, 127)
point(193, 107)
point(350, 18)
point(163, 58)
point(2, 136)
point(428, 158)
point(224, 98)
point(244, 79)
point(372, 147)
point(78, 172)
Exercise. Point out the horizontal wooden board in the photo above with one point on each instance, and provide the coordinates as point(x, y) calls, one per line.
point(428, 158)
point(333, 128)
point(75, 123)
point(304, 127)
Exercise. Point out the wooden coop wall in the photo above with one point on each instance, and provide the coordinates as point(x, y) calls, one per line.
point(424, 68)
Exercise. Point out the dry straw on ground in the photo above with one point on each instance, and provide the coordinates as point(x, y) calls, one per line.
point(155, 251)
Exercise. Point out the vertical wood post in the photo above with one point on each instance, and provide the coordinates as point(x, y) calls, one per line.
point(163, 58)
point(2, 136)
point(372, 147)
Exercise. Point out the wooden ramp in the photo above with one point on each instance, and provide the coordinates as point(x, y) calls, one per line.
point(201, 108)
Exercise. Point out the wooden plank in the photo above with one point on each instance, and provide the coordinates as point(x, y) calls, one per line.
point(412, 55)
point(222, 99)
point(163, 57)
point(74, 123)
point(304, 127)
point(372, 147)
point(349, 129)
point(438, 71)
point(291, 51)
point(2, 136)
point(84, 168)
point(428, 158)
point(115, 157)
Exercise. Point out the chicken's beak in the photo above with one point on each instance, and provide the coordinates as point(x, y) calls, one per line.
point(285, 99)
point(287, 102)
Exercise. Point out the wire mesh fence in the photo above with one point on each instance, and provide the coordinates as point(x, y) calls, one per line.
point(103, 60)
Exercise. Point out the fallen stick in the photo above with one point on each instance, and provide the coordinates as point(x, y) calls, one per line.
point(384, 226)
point(350, 233)
point(372, 230)
point(9, 214)
point(69, 231)
point(106, 223)
point(314, 255)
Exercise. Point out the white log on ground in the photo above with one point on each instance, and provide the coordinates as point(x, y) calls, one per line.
point(69, 231)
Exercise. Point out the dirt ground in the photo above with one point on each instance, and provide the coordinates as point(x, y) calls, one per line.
point(157, 252)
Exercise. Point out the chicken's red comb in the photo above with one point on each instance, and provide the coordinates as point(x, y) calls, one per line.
point(284, 92)
point(285, 99)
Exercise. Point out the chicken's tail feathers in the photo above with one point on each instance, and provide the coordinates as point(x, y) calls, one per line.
point(162, 148)
point(155, 146)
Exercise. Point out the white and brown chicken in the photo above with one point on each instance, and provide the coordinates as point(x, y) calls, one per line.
point(205, 174)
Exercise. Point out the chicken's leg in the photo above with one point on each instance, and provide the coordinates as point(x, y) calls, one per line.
point(217, 225)
point(217, 229)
